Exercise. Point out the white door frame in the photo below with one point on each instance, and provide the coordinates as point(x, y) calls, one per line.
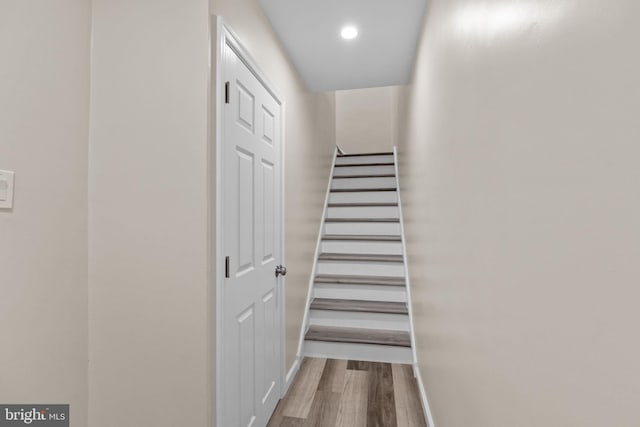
point(226, 37)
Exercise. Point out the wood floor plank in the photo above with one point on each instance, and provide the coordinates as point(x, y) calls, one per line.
point(408, 405)
point(277, 417)
point(279, 420)
point(352, 411)
point(300, 397)
point(291, 422)
point(328, 393)
point(358, 365)
point(324, 409)
point(333, 376)
point(381, 407)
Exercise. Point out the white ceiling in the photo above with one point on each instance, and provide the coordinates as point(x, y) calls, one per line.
point(381, 55)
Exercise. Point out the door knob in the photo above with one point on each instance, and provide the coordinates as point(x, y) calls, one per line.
point(281, 270)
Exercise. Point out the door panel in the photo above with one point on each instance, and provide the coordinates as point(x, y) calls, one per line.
point(246, 339)
point(246, 107)
point(246, 212)
point(252, 192)
point(268, 220)
point(267, 125)
point(270, 322)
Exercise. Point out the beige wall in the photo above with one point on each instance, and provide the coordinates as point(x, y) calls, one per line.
point(366, 119)
point(148, 289)
point(151, 334)
point(310, 142)
point(44, 95)
point(520, 181)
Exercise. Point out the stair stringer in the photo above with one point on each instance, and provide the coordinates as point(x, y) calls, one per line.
point(314, 268)
point(407, 279)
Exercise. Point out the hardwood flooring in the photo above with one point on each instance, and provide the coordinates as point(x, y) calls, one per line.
point(340, 393)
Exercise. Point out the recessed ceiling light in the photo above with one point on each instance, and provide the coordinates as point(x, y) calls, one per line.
point(349, 32)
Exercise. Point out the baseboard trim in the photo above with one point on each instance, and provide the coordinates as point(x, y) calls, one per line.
point(291, 375)
point(423, 397)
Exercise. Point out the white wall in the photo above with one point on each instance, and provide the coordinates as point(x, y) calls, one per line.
point(310, 142)
point(44, 98)
point(367, 119)
point(520, 175)
point(149, 295)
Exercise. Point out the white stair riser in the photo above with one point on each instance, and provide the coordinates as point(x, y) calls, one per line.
point(360, 292)
point(351, 319)
point(344, 183)
point(357, 160)
point(364, 352)
point(361, 268)
point(363, 170)
point(364, 212)
point(356, 247)
point(372, 228)
point(364, 197)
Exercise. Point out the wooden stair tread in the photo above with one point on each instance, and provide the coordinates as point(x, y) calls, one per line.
point(359, 280)
point(367, 154)
point(382, 175)
point(358, 336)
point(362, 190)
point(358, 237)
point(362, 205)
point(362, 220)
point(359, 257)
point(364, 164)
point(359, 306)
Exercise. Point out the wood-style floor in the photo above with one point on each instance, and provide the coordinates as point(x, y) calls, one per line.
point(341, 393)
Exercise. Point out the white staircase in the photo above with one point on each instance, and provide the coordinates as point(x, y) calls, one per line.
point(359, 302)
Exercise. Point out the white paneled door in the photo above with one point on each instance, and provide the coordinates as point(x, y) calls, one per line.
point(252, 214)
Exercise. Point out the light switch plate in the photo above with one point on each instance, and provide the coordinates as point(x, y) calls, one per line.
point(6, 189)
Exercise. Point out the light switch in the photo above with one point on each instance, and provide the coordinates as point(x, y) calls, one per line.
point(6, 189)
